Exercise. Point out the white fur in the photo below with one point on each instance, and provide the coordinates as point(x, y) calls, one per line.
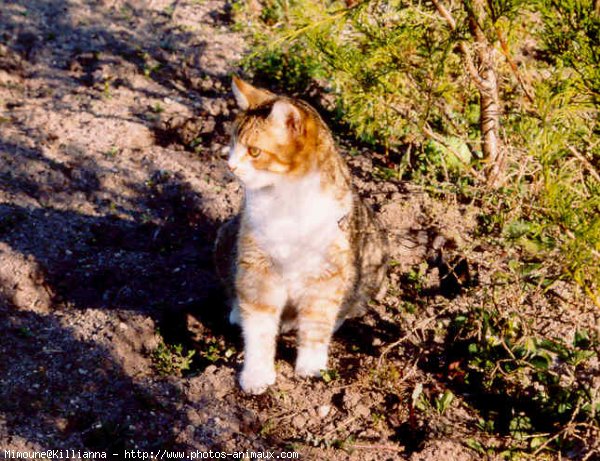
point(281, 113)
point(260, 331)
point(295, 221)
point(311, 361)
point(241, 100)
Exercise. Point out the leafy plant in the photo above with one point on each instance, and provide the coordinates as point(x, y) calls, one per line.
point(398, 74)
point(528, 385)
point(214, 351)
point(170, 359)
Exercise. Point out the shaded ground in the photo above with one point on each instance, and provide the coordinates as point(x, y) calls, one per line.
point(113, 123)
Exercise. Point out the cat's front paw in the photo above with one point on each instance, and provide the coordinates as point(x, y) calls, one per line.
point(310, 364)
point(256, 382)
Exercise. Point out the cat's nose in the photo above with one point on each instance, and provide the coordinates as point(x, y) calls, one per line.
point(232, 166)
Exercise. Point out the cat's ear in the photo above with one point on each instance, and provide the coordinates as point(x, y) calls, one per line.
point(248, 96)
point(286, 116)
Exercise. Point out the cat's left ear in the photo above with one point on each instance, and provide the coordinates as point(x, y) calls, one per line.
point(248, 96)
point(286, 116)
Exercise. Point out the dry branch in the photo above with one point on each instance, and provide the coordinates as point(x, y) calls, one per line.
point(483, 76)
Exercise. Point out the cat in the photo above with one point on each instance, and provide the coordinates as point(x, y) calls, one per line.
point(305, 252)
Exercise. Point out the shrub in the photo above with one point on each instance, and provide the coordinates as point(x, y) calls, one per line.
point(397, 73)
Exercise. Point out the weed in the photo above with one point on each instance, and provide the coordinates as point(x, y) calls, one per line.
point(112, 152)
point(538, 384)
point(106, 89)
point(170, 359)
point(385, 376)
point(443, 401)
point(329, 375)
point(126, 13)
point(169, 11)
point(149, 65)
point(386, 174)
point(214, 351)
point(196, 144)
point(157, 108)
point(268, 427)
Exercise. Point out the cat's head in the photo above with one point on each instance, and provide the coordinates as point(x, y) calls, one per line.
point(272, 138)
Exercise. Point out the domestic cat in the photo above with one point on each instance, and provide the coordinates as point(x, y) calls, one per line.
point(304, 253)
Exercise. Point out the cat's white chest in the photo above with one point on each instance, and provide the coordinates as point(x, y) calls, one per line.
point(296, 223)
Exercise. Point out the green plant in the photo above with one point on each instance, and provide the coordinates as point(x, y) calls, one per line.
point(214, 351)
point(399, 75)
point(443, 401)
point(112, 152)
point(528, 386)
point(290, 68)
point(106, 89)
point(170, 359)
point(157, 108)
point(169, 11)
point(329, 375)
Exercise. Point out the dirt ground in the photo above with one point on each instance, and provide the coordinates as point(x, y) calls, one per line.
point(113, 125)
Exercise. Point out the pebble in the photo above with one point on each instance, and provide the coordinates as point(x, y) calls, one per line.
point(362, 410)
point(299, 421)
point(350, 400)
point(323, 411)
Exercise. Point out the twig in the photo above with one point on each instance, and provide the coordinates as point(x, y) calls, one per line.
point(378, 447)
point(340, 426)
point(585, 161)
point(559, 433)
point(418, 326)
point(464, 49)
point(445, 14)
point(512, 64)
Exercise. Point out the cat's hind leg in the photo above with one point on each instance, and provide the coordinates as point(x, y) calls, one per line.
point(317, 315)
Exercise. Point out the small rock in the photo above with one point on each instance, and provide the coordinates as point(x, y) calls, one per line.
point(350, 400)
point(370, 434)
point(210, 370)
point(299, 421)
point(323, 411)
point(362, 410)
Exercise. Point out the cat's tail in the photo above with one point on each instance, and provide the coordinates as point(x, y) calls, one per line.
point(225, 251)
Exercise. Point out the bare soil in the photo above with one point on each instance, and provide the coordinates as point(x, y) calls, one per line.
point(114, 123)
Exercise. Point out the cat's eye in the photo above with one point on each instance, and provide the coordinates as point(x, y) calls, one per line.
point(254, 151)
